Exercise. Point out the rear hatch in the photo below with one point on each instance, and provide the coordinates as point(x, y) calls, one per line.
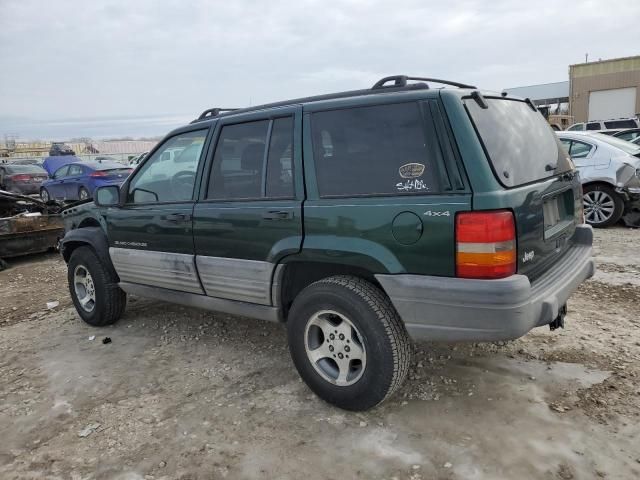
point(540, 183)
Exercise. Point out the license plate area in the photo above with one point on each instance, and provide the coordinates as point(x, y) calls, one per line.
point(558, 213)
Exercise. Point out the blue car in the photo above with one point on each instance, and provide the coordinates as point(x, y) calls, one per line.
point(78, 180)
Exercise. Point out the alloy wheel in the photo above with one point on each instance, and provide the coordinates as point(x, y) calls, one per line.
point(335, 348)
point(598, 206)
point(84, 288)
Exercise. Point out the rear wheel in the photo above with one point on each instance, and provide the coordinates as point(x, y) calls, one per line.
point(94, 289)
point(603, 207)
point(348, 342)
point(44, 195)
point(83, 193)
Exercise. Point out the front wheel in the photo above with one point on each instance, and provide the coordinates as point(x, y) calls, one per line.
point(94, 289)
point(348, 342)
point(603, 207)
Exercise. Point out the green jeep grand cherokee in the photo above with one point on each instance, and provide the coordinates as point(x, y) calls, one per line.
point(361, 219)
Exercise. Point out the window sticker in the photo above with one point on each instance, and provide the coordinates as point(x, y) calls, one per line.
point(411, 186)
point(411, 170)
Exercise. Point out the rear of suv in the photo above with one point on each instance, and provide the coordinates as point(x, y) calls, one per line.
point(362, 219)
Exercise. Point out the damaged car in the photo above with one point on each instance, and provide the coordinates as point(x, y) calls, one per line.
point(610, 173)
point(27, 225)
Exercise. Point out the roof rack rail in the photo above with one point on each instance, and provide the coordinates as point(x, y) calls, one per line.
point(401, 81)
point(214, 112)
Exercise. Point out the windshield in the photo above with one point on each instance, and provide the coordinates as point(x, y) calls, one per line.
point(623, 145)
point(520, 144)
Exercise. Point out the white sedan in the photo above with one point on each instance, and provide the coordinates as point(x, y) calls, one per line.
point(610, 173)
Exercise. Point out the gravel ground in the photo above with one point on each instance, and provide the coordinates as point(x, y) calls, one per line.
point(186, 394)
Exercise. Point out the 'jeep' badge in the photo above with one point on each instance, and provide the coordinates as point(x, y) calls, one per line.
point(411, 170)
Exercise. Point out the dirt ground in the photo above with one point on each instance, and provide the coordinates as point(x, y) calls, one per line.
point(186, 394)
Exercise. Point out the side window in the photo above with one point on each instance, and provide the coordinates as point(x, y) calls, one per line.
point(61, 172)
point(238, 163)
point(280, 159)
point(566, 143)
point(593, 126)
point(169, 175)
point(373, 150)
point(75, 170)
point(579, 149)
point(576, 127)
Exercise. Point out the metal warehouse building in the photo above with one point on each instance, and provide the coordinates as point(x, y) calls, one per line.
point(605, 89)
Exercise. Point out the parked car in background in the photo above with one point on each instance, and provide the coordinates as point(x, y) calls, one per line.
point(134, 161)
point(23, 179)
point(59, 149)
point(77, 181)
point(51, 164)
point(601, 125)
point(629, 135)
point(610, 174)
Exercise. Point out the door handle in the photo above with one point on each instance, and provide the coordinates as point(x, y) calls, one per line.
point(178, 217)
point(277, 215)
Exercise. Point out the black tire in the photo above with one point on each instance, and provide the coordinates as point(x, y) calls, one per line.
point(595, 219)
point(381, 332)
point(110, 300)
point(83, 191)
point(44, 195)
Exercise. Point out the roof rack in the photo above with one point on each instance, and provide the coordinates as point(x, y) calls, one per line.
point(401, 81)
point(214, 112)
point(400, 84)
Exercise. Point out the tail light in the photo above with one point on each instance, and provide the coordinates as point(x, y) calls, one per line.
point(485, 244)
point(98, 173)
point(21, 177)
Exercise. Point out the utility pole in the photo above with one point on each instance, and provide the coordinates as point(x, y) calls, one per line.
point(586, 58)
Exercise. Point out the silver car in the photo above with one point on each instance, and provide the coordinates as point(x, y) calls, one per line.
point(610, 173)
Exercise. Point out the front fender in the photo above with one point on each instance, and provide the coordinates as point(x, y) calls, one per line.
point(93, 237)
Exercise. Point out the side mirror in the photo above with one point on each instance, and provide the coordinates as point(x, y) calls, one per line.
point(107, 196)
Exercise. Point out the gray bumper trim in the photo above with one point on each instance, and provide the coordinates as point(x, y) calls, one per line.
point(455, 309)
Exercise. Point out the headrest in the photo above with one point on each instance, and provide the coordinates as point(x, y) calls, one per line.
point(252, 157)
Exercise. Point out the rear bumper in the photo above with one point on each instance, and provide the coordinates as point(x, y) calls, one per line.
point(455, 309)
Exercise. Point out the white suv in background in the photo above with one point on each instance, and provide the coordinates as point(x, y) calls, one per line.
point(612, 124)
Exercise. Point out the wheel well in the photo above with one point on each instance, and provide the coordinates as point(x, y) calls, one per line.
point(299, 275)
point(89, 222)
point(70, 247)
point(598, 182)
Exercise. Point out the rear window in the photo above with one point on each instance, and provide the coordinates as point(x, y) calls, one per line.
point(623, 145)
point(377, 150)
point(519, 142)
point(26, 169)
point(620, 124)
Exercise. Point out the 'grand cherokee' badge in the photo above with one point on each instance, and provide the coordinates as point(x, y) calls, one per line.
point(411, 170)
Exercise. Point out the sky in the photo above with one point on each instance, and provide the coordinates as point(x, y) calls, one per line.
point(172, 59)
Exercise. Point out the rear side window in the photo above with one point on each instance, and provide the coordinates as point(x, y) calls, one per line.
point(594, 126)
point(620, 124)
point(576, 127)
point(243, 168)
point(378, 150)
point(519, 142)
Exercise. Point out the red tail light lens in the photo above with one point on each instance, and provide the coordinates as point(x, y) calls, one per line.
point(21, 177)
point(98, 173)
point(485, 244)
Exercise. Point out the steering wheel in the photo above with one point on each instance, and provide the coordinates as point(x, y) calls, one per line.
point(182, 185)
